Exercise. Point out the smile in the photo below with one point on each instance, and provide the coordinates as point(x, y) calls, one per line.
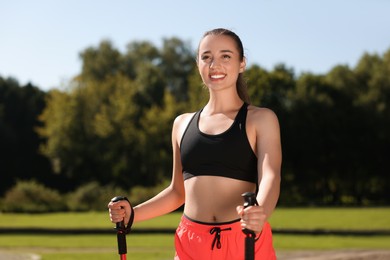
point(219, 76)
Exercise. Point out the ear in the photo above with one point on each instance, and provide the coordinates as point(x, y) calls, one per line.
point(243, 65)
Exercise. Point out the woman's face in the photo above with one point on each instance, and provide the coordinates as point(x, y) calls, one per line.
point(219, 61)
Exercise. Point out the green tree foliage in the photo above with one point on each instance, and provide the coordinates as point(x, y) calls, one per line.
point(309, 142)
point(92, 129)
point(112, 127)
point(98, 64)
point(177, 61)
point(198, 93)
point(335, 136)
point(19, 109)
point(333, 126)
point(270, 89)
point(65, 132)
point(113, 124)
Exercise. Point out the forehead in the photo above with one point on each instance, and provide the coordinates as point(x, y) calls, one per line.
point(215, 43)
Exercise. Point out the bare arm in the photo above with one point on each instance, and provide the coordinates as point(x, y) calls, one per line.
point(265, 133)
point(269, 154)
point(166, 201)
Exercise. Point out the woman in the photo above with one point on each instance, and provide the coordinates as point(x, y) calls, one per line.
point(219, 152)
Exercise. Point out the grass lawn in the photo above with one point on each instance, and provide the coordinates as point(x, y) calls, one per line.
point(332, 218)
point(144, 246)
point(297, 218)
point(140, 247)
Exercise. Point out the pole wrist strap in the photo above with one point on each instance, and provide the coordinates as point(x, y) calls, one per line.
point(131, 220)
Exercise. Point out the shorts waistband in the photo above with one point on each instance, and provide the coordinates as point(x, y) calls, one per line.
point(205, 227)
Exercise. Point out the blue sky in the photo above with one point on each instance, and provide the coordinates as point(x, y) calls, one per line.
point(41, 39)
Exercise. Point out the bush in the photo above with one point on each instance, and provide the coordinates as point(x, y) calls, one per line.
point(140, 194)
point(32, 197)
point(92, 196)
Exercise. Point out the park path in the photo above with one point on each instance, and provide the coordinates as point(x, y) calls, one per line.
point(335, 255)
point(18, 256)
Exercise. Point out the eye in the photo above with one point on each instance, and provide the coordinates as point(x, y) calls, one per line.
point(206, 58)
point(226, 57)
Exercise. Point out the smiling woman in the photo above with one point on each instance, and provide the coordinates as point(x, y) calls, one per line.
point(220, 152)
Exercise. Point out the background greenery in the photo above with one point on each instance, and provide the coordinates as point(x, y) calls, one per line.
point(108, 130)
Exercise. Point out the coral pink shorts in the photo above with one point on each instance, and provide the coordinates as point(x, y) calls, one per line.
point(225, 241)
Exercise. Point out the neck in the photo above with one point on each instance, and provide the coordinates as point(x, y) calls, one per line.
point(222, 104)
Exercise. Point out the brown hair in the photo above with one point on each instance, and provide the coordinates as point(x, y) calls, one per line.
point(242, 89)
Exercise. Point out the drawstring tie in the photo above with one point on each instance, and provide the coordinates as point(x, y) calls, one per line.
point(217, 238)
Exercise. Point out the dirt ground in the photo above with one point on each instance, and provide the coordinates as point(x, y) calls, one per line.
point(18, 256)
point(335, 255)
point(284, 255)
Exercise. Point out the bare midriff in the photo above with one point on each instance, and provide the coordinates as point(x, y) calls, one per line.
point(213, 199)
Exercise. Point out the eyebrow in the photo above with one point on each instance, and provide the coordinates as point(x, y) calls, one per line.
point(229, 51)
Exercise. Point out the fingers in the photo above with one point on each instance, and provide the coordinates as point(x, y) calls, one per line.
point(240, 210)
point(252, 218)
point(119, 211)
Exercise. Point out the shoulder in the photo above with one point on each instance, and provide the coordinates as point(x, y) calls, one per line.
point(262, 118)
point(180, 124)
point(261, 114)
point(183, 119)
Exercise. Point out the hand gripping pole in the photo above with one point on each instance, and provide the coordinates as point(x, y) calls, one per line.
point(121, 233)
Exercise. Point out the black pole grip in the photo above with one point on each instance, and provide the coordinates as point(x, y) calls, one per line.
point(120, 231)
point(249, 200)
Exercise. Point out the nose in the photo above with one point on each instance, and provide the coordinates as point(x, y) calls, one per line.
point(213, 63)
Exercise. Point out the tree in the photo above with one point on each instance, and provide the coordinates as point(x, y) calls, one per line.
point(197, 92)
point(19, 108)
point(100, 63)
point(177, 62)
point(113, 123)
point(102, 129)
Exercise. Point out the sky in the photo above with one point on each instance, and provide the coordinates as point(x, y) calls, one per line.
point(41, 40)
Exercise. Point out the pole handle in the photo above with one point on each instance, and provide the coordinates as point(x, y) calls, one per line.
point(119, 225)
point(121, 232)
point(249, 200)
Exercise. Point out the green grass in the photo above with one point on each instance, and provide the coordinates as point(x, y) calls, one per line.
point(90, 246)
point(307, 242)
point(144, 246)
point(140, 247)
point(84, 241)
point(79, 220)
point(300, 218)
point(332, 218)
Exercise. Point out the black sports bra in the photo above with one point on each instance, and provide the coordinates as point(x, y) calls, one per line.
point(228, 154)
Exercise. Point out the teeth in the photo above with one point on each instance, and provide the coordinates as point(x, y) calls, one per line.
point(217, 76)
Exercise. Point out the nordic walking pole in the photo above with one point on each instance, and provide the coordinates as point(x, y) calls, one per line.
point(121, 233)
point(250, 200)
